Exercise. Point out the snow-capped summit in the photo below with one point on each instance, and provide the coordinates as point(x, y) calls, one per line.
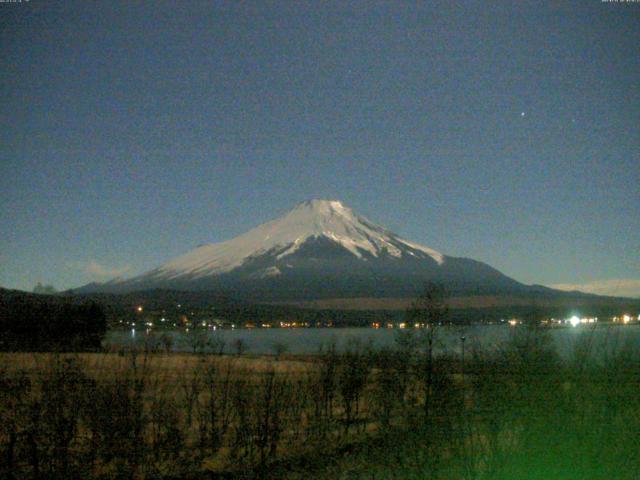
point(319, 248)
point(328, 219)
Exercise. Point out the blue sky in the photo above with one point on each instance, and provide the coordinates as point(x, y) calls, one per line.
point(132, 133)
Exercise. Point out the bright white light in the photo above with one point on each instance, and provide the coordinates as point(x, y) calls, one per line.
point(574, 321)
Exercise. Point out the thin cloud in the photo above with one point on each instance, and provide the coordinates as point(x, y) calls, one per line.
point(625, 287)
point(95, 269)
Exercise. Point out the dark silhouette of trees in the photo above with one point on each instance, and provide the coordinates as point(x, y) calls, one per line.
point(29, 323)
point(44, 289)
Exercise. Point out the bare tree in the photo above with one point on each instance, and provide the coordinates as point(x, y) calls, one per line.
point(240, 347)
point(428, 311)
point(352, 378)
point(279, 349)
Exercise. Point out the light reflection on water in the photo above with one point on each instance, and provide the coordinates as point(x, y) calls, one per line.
point(602, 338)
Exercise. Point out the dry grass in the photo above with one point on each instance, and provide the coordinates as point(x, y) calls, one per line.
point(295, 414)
point(164, 365)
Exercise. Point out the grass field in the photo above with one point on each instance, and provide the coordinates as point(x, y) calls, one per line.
point(515, 413)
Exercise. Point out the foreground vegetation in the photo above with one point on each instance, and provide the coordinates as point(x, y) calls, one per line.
point(519, 412)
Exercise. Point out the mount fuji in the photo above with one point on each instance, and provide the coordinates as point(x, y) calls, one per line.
point(319, 249)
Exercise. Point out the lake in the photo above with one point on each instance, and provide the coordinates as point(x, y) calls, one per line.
point(604, 337)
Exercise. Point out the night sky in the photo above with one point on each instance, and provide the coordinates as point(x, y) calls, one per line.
point(508, 133)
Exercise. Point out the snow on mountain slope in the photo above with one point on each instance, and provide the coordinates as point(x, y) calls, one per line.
point(319, 249)
point(285, 235)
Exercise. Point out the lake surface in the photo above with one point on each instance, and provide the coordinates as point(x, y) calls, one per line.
point(603, 338)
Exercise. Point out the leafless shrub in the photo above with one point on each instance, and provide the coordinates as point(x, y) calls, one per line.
point(15, 391)
point(166, 341)
point(215, 407)
point(240, 347)
point(322, 383)
point(273, 396)
point(191, 386)
point(62, 391)
point(242, 397)
point(216, 344)
point(352, 379)
point(279, 349)
point(197, 340)
point(389, 386)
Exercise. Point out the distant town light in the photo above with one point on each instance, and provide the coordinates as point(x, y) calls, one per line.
point(574, 321)
point(139, 309)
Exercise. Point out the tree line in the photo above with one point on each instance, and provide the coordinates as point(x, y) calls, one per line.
point(39, 323)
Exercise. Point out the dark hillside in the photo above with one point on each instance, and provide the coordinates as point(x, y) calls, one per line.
point(48, 322)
